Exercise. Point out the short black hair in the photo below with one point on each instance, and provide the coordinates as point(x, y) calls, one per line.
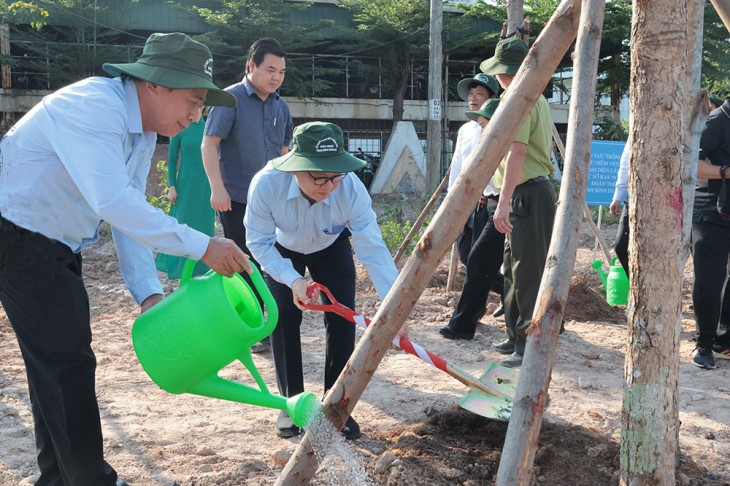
point(261, 47)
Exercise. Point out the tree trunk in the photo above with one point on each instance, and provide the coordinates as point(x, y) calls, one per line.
point(664, 138)
point(446, 225)
point(515, 13)
point(518, 453)
point(403, 63)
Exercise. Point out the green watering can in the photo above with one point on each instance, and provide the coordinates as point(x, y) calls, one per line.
point(202, 327)
point(616, 282)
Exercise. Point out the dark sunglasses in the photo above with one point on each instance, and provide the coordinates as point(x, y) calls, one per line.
point(321, 181)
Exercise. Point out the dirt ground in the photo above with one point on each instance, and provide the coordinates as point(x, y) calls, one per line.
point(413, 429)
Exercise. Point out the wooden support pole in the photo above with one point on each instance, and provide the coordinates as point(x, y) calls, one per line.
point(587, 215)
point(722, 7)
point(453, 268)
point(421, 217)
point(535, 73)
point(518, 453)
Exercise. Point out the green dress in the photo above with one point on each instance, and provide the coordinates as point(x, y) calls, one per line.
point(192, 206)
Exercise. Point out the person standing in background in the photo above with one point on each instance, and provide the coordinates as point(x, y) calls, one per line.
point(485, 257)
point(620, 193)
point(188, 193)
point(239, 141)
point(526, 209)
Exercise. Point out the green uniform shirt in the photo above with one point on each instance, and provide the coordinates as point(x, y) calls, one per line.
point(536, 133)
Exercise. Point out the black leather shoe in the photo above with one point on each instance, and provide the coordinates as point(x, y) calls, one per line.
point(449, 333)
point(504, 347)
point(499, 311)
point(351, 430)
point(285, 427)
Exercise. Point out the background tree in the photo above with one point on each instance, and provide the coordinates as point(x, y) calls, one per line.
point(397, 31)
point(236, 24)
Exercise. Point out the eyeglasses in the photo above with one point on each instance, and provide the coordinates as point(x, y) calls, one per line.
point(321, 181)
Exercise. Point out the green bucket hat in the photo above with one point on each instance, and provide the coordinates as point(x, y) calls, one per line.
point(716, 100)
point(318, 147)
point(178, 62)
point(482, 79)
point(508, 57)
point(487, 110)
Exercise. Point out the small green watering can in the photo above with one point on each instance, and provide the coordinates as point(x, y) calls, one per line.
point(616, 282)
point(202, 327)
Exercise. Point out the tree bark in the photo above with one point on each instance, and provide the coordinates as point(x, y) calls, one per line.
point(515, 13)
point(446, 225)
point(518, 453)
point(403, 61)
point(662, 166)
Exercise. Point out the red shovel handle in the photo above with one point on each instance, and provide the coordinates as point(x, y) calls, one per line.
point(404, 343)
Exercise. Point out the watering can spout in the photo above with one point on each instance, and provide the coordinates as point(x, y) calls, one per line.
point(301, 408)
point(598, 266)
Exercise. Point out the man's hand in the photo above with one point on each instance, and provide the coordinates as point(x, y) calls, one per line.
point(220, 200)
point(225, 257)
point(615, 208)
point(150, 301)
point(501, 216)
point(172, 194)
point(299, 293)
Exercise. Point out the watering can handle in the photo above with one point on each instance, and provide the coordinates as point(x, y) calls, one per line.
point(272, 310)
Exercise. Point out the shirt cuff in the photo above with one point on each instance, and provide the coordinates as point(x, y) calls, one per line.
point(197, 244)
point(142, 290)
point(290, 276)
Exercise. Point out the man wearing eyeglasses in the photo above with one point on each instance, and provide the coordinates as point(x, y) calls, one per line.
point(302, 210)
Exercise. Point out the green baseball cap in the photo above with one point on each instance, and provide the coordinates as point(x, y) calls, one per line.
point(318, 147)
point(175, 61)
point(481, 79)
point(487, 110)
point(508, 57)
point(716, 100)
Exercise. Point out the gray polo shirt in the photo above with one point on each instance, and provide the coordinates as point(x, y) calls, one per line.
point(252, 133)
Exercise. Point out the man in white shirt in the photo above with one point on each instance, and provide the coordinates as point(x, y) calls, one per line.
point(79, 158)
point(302, 210)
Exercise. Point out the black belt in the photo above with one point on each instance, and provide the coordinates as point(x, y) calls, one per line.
point(535, 180)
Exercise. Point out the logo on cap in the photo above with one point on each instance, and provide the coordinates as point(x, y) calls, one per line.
point(208, 67)
point(328, 144)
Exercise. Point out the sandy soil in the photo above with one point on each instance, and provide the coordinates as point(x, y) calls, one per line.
point(413, 430)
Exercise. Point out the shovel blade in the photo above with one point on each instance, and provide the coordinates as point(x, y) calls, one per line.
point(503, 382)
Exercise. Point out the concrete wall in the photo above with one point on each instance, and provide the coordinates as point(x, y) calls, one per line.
point(20, 101)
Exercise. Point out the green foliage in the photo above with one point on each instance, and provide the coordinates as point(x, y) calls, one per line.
point(610, 129)
point(236, 24)
point(395, 229)
point(22, 13)
point(161, 200)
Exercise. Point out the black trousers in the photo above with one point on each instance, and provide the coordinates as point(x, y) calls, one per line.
point(621, 247)
point(482, 274)
point(525, 253)
point(233, 229)
point(43, 294)
point(710, 251)
point(334, 268)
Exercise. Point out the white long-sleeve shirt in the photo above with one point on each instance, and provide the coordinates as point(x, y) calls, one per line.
point(466, 140)
point(278, 212)
point(81, 157)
